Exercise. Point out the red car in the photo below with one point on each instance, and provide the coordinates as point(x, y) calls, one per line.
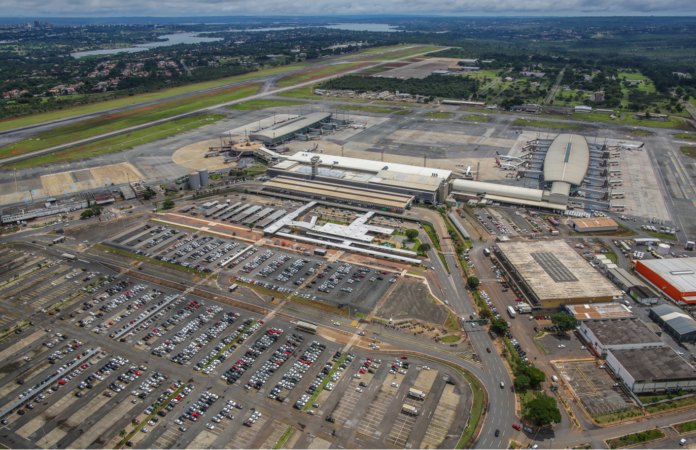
point(516, 427)
point(404, 357)
point(362, 370)
point(488, 350)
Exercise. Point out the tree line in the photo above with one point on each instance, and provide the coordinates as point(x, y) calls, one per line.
point(433, 85)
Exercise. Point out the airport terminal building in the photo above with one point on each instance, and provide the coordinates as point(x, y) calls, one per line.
point(290, 128)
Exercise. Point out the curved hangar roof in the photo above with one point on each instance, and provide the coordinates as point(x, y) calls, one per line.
point(567, 159)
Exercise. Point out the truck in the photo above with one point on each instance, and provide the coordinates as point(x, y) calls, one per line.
point(511, 311)
point(553, 221)
point(415, 393)
point(408, 409)
point(233, 287)
point(486, 252)
point(69, 256)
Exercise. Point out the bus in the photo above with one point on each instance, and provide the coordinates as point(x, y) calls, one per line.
point(486, 252)
point(511, 311)
point(408, 409)
point(415, 393)
point(69, 257)
point(233, 287)
point(307, 327)
point(59, 240)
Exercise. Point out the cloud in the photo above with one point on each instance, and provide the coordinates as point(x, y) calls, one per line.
point(186, 8)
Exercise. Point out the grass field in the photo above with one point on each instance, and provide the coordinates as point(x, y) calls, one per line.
point(321, 72)
point(617, 416)
point(370, 51)
point(476, 118)
point(123, 141)
point(372, 109)
point(629, 120)
point(667, 237)
point(685, 136)
point(95, 107)
point(402, 53)
point(688, 151)
point(126, 119)
point(438, 114)
point(450, 338)
point(303, 92)
point(262, 104)
point(545, 124)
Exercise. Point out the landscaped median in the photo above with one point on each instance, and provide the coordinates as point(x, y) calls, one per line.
point(137, 427)
point(262, 290)
point(635, 438)
point(284, 437)
point(227, 347)
point(324, 382)
point(345, 311)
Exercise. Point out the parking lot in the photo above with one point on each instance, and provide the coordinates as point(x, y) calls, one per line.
point(194, 373)
point(564, 347)
point(594, 387)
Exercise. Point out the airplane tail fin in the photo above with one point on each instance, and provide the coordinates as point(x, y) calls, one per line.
point(642, 145)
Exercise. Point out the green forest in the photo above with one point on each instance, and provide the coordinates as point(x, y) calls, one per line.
point(433, 85)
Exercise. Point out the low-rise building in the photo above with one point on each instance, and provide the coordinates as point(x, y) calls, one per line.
point(647, 370)
point(643, 295)
point(598, 311)
point(618, 334)
point(623, 279)
point(675, 322)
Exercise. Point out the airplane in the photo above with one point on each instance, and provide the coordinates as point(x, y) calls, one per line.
point(468, 172)
point(631, 146)
point(312, 150)
point(363, 126)
point(510, 158)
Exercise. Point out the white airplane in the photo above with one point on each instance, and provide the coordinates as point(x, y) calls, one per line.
point(505, 166)
point(312, 150)
point(363, 126)
point(509, 158)
point(631, 146)
point(468, 172)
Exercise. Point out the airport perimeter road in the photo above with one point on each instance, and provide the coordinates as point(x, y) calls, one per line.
point(554, 90)
point(500, 412)
point(17, 134)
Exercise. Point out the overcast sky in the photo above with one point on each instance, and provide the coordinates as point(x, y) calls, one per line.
point(188, 8)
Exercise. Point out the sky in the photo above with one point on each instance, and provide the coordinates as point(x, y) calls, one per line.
point(188, 8)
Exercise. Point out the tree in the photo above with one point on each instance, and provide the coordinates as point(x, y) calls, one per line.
point(472, 282)
point(536, 375)
point(499, 326)
point(122, 433)
point(486, 313)
point(411, 234)
point(246, 191)
point(251, 226)
point(424, 248)
point(86, 213)
point(97, 210)
point(522, 381)
point(543, 411)
point(168, 204)
point(564, 321)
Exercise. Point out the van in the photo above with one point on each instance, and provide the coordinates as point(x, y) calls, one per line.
point(502, 385)
point(554, 378)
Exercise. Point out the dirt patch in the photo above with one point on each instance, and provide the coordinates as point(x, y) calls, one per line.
point(411, 300)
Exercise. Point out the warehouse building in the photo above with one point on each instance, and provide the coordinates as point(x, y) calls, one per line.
point(56, 206)
point(618, 334)
point(550, 274)
point(623, 279)
point(594, 224)
point(675, 277)
point(598, 311)
point(675, 322)
point(643, 295)
point(287, 130)
point(647, 370)
point(424, 184)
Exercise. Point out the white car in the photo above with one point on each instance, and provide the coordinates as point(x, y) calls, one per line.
point(561, 346)
point(359, 390)
point(395, 384)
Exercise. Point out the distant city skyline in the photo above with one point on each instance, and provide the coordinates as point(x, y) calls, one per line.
point(216, 8)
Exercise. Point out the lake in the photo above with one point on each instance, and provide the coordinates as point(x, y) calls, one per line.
point(173, 39)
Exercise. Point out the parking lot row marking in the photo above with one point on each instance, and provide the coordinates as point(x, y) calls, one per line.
point(123, 409)
point(442, 419)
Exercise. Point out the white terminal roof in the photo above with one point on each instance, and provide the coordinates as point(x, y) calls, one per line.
point(289, 126)
point(679, 272)
point(366, 165)
point(553, 270)
point(478, 187)
point(567, 159)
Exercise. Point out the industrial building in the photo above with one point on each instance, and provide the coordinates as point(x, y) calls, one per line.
point(54, 206)
point(647, 370)
point(675, 322)
point(287, 130)
point(420, 183)
point(594, 224)
point(618, 334)
point(598, 311)
point(642, 295)
point(623, 279)
point(676, 277)
point(550, 274)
